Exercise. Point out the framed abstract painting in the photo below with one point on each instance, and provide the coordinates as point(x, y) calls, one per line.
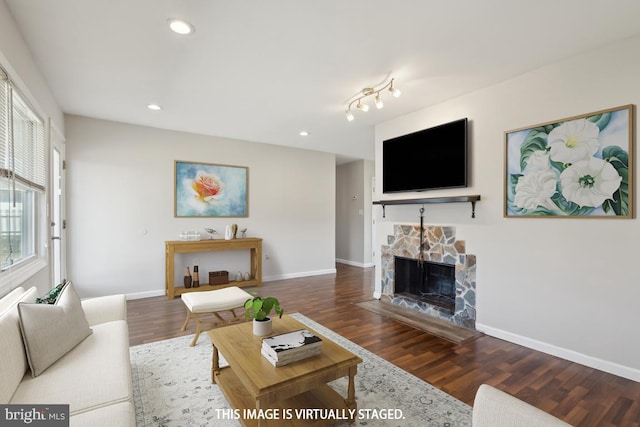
point(210, 190)
point(578, 167)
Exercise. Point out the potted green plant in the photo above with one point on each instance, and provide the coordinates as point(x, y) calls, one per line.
point(258, 308)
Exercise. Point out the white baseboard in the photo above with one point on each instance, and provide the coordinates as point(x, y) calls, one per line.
point(148, 294)
point(297, 275)
point(573, 356)
point(354, 264)
point(157, 293)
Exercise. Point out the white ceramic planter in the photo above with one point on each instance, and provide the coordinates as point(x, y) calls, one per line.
point(262, 327)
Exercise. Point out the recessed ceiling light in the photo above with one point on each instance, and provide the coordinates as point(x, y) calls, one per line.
point(181, 27)
point(154, 107)
point(304, 133)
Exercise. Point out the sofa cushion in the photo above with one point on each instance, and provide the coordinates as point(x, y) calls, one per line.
point(52, 296)
point(96, 373)
point(11, 299)
point(105, 309)
point(51, 331)
point(14, 360)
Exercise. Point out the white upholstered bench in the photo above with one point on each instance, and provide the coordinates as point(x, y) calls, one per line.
point(214, 302)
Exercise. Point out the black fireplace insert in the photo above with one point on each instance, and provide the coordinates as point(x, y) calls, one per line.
point(427, 281)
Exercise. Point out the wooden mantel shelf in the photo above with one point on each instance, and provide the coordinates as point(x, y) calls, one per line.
point(452, 199)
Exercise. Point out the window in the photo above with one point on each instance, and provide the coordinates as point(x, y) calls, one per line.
point(22, 176)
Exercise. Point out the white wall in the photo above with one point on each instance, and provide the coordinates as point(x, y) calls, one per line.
point(120, 193)
point(353, 213)
point(565, 286)
point(16, 59)
point(367, 196)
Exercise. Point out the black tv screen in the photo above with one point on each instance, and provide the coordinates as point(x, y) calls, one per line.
point(425, 160)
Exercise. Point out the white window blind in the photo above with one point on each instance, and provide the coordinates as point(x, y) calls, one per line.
point(4, 120)
point(22, 145)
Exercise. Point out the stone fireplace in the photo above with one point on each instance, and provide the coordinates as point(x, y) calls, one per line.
point(426, 277)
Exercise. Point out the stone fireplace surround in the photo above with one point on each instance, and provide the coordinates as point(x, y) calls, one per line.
point(440, 245)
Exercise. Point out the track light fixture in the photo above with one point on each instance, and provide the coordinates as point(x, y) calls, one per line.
point(371, 91)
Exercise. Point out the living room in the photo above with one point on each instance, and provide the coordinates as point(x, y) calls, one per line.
point(563, 286)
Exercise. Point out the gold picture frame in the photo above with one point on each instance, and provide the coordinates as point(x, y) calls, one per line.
point(210, 190)
point(577, 167)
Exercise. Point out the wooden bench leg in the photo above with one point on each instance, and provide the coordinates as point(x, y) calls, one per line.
point(186, 322)
point(220, 321)
point(198, 329)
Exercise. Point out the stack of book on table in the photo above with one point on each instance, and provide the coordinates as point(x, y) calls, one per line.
point(290, 347)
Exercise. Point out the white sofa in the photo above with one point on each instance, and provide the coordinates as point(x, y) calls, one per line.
point(93, 378)
point(495, 408)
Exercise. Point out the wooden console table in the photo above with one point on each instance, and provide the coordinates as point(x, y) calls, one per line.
point(173, 247)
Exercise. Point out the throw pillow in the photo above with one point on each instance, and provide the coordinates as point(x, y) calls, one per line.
point(52, 295)
point(51, 331)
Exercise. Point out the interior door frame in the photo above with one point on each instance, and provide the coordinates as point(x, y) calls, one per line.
point(57, 222)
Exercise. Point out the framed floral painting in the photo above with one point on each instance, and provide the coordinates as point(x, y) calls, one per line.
point(210, 190)
point(579, 167)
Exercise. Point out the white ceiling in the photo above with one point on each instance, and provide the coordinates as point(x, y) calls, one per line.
point(264, 70)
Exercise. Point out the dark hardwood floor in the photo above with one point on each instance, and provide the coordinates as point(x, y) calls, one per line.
point(579, 395)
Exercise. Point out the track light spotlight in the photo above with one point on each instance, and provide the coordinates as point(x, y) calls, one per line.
point(349, 115)
point(379, 103)
point(395, 92)
point(362, 107)
point(370, 91)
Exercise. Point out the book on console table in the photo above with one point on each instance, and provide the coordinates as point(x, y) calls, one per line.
point(291, 346)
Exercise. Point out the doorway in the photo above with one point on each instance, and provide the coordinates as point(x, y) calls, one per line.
point(57, 214)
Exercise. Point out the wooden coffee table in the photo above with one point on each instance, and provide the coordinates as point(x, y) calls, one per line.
point(251, 383)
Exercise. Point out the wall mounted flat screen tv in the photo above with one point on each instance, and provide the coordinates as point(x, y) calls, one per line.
point(425, 160)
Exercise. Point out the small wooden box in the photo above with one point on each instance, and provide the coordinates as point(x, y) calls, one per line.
point(218, 277)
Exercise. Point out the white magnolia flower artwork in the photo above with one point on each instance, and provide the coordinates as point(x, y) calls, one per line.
point(575, 167)
point(590, 182)
point(573, 141)
point(536, 189)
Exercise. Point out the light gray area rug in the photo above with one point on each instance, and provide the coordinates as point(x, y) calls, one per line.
point(172, 387)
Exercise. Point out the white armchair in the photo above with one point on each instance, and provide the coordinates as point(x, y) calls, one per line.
point(495, 408)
